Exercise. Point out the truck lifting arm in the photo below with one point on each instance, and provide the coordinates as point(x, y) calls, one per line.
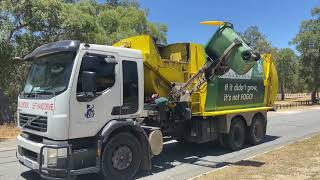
point(210, 70)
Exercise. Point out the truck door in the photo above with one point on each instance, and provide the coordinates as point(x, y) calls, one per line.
point(130, 90)
point(88, 115)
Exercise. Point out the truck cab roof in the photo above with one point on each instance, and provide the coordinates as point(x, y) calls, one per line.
point(121, 51)
point(74, 46)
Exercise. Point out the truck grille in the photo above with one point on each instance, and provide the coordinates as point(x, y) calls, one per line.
point(39, 124)
point(27, 153)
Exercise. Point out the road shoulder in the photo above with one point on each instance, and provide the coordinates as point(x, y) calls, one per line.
point(300, 160)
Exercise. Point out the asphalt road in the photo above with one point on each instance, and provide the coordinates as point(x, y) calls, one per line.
point(185, 161)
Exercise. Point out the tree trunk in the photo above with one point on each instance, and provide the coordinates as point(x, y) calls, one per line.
point(314, 96)
point(282, 90)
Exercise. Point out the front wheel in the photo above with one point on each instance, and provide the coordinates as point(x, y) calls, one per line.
point(121, 157)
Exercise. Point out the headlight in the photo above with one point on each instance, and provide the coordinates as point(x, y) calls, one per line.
point(53, 155)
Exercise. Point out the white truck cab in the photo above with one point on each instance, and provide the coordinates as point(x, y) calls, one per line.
point(72, 91)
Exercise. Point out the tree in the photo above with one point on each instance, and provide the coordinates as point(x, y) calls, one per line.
point(257, 40)
point(41, 21)
point(124, 3)
point(122, 22)
point(285, 59)
point(308, 44)
point(287, 67)
point(25, 25)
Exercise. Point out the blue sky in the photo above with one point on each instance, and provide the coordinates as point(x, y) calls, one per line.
point(278, 20)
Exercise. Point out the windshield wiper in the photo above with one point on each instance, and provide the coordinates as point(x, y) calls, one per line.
point(29, 93)
point(33, 93)
point(44, 92)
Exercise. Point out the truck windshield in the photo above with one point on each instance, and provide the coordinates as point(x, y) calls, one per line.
point(49, 75)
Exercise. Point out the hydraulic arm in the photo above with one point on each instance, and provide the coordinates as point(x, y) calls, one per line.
point(211, 69)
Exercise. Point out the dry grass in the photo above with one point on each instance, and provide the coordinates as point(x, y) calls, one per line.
point(8, 131)
point(300, 160)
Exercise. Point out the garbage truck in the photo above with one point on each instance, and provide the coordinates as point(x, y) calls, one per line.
point(89, 108)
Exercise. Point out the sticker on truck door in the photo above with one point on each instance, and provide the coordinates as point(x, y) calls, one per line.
point(90, 111)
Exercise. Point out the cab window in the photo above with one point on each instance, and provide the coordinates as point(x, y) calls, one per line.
point(130, 87)
point(105, 72)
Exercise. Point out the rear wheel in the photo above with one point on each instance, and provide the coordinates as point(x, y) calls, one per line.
point(237, 135)
point(257, 130)
point(121, 157)
point(222, 140)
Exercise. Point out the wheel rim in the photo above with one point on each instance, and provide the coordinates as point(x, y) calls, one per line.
point(122, 158)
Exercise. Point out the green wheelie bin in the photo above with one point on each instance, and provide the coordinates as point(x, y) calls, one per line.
point(241, 59)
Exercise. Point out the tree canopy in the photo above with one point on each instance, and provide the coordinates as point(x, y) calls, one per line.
point(287, 68)
point(307, 42)
point(285, 60)
point(257, 40)
point(25, 25)
point(40, 21)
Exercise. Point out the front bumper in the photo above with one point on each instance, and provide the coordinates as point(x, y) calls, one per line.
point(34, 156)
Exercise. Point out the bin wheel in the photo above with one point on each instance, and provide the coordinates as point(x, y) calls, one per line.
point(257, 130)
point(121, 157)
point(236, 137)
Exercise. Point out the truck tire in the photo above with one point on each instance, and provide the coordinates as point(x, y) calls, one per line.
point(236, 137)
point(257, 130)
point(222, 140)
point(121, 157)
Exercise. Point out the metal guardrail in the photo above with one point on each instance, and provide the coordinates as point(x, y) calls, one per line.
point(296, 104)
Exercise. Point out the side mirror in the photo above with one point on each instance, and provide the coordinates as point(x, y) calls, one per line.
point(89, 82)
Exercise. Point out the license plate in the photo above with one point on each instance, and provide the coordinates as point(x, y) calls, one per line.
point(28, 163)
